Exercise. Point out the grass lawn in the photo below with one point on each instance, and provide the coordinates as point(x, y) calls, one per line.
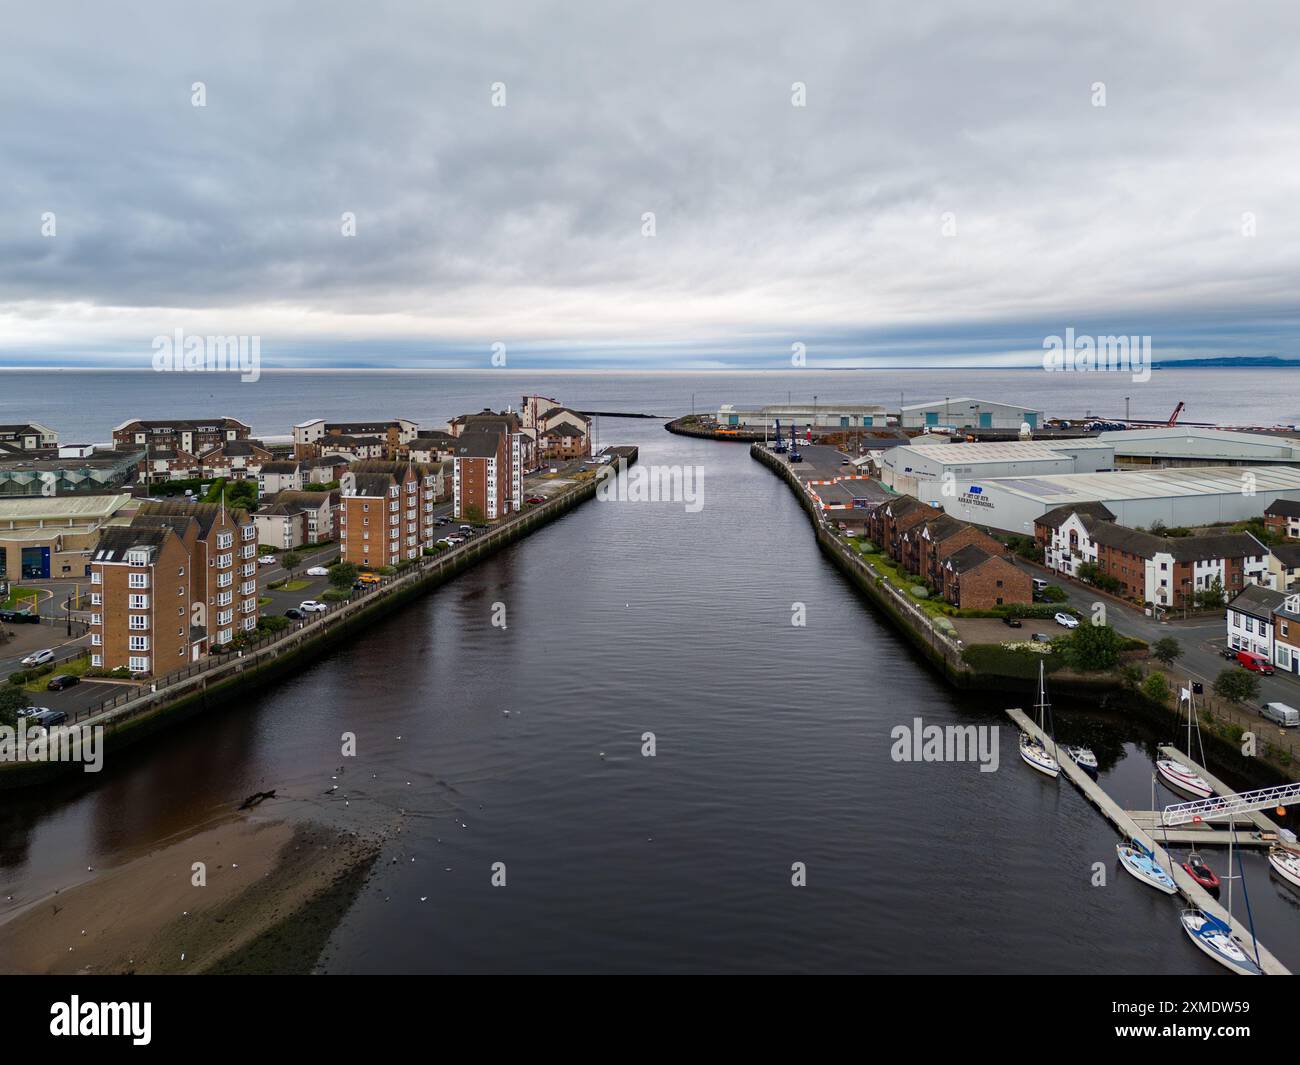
point(19, 593)
point(262, 600)
point(887, 567)
point(294, 586)
point(76, 667)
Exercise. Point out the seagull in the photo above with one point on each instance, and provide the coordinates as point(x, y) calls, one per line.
point(424, 898)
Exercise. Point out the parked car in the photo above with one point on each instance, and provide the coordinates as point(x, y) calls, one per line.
point(63, 680)
point(1230, 653)
point(535, 499)
point(453, 540)
point(369, 578)
point(1040, 585)
point(28, 711)
point(1281, 714)
point(46, 718)
point(1068, 620)
point(312, 606)
point(1041, 637)
point(19, 617)
point(467, 529)
point(1255, 663)
point(266, 560)
point(1011, 622)
point(441, 521)
point(39, 658)
point(294, 614)
point(318, 571)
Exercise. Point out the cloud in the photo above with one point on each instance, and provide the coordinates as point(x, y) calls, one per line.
point(823, 224)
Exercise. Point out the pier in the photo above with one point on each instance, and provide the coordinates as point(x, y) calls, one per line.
point(1124, 821)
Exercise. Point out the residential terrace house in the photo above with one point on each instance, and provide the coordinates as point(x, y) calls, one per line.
point(975, 579)
point(296, 519)
point(1283, 518)
point(191, 436)
point(1163, 570)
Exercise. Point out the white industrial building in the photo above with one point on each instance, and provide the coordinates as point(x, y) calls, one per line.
point(1177, 497)
point(922, 471)
point(822, 415)
point(1200, 446)
point(963, 412)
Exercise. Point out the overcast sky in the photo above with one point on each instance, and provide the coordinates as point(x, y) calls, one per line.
point(522, 224)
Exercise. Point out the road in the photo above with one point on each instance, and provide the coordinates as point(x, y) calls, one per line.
point(1202, 638)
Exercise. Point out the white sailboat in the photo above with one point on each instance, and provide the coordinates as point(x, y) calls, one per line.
point(1035, 755)
point(1214, 936)
point(1141, 862)
point(1177, 776)
point(1286, 863)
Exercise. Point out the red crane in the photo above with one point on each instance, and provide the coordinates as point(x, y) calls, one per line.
point(1173, 418)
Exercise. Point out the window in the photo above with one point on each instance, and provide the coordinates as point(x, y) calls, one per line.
point(138, 621)
point(97, 619)
point(139, 643)
point(138, 664)
point(138, 602)
point(97, 577)
point(96, 660)
point(137, 580)
point(96, 639)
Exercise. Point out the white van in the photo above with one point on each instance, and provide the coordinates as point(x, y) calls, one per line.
point(1281, 714)
point(1039, 584)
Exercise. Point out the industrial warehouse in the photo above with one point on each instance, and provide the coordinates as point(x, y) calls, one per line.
point(955, 413)
point(1176, 497)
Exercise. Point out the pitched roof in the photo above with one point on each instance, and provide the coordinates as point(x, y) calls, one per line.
point(967, 558)
point(1257, 601)
point(1287, 554)
point(115, 543)
point(1284, 508)
point(477, 445)
point(1181, 548)
point(1092, 509)
point(206, 514)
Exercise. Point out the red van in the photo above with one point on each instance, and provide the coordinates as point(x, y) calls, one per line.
point(1255, 663)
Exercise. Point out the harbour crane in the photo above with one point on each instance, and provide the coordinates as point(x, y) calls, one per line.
point(794, 455)
point(1173, 418)
point(779, 447)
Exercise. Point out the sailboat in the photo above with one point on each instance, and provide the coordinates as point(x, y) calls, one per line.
point(1179, 777)
point(1214, 936)
point(1140, 860)
point(1286, 863)
point(1036, 756)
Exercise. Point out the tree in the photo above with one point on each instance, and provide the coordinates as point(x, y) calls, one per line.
point(1208, 598)
point(1156, 687)
point(1236, 685)
point(290, 560)
point(1166, 649)
point(12, 699)
point(342, 575)
point(1093, 647)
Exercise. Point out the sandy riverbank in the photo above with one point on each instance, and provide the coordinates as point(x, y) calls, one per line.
point(274, 892)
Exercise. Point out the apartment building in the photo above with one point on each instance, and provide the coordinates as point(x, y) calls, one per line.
point(430, 447)
point(141, 610)
point(188, 435)
point(927, 546)
point(1283, 518)
point(1284, 566)
point(1163, 570)
point(1266, 622)
point(222, 582)
point(486, 482)
point(296, 519)
point(385, 514)
point(521, 443)
point(294, 475)
point(234, 460)
point(559, 432)
point(319, 437)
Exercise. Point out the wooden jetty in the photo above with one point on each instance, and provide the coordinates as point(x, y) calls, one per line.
point(1121, 819)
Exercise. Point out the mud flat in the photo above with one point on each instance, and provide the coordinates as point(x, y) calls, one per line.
point(275, 891)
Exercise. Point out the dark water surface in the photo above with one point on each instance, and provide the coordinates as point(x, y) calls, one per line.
point(773, 748)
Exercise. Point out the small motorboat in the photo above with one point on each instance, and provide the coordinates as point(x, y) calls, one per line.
point(1142, 864)
point(1199, 871)
point(1286, 863)
point(1083, 757)
point(1216, 939)
point(1182, 779)
point(1036, 756)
